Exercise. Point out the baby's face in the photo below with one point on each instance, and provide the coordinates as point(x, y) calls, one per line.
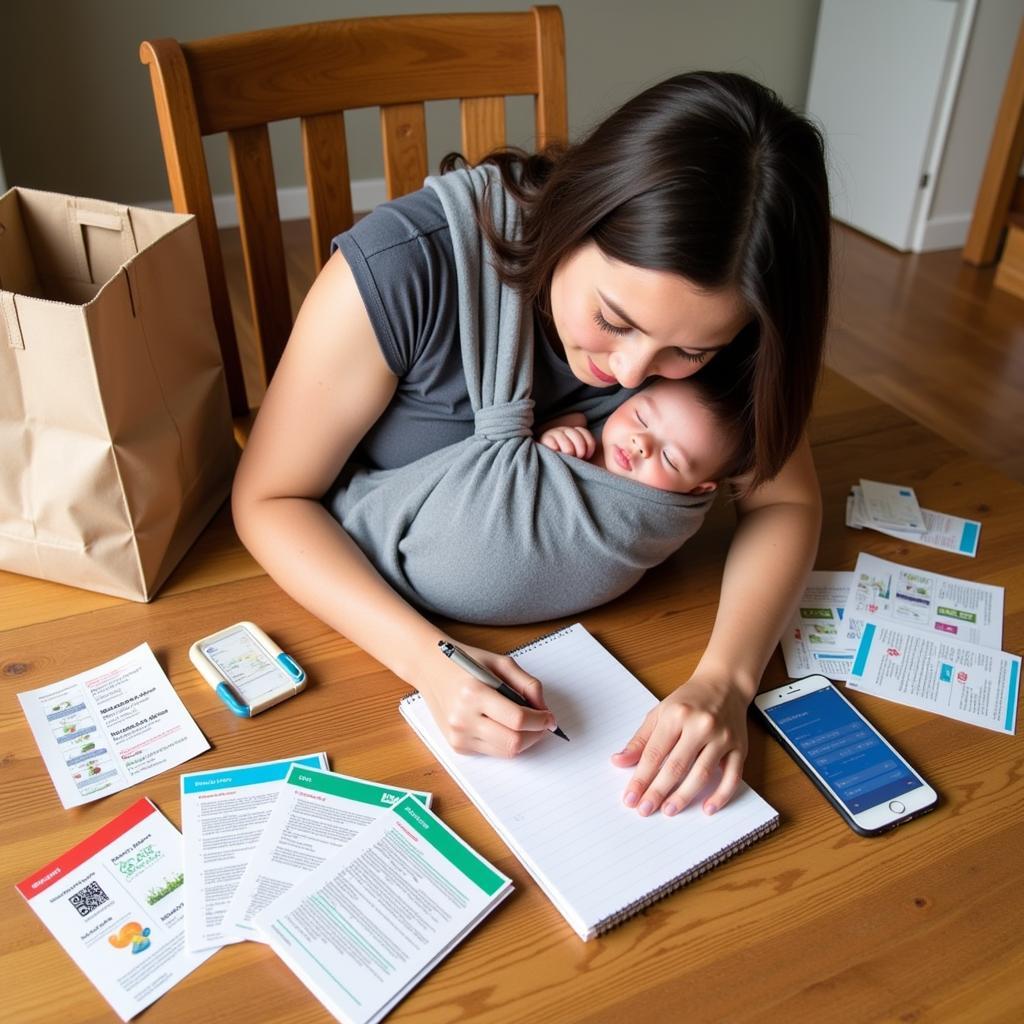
point(664, 437)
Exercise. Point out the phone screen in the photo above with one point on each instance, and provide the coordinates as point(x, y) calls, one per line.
point(843, 749)
point(245, 664)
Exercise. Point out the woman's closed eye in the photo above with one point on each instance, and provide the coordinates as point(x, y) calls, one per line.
point(693, 357)
point(615, 329)
point(606, 326)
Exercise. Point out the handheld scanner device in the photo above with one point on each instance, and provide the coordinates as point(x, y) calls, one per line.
point(246, 669)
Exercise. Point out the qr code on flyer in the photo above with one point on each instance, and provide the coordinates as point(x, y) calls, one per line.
point(88, 898)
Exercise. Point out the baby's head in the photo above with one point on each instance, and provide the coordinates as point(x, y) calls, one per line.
point(676, 435)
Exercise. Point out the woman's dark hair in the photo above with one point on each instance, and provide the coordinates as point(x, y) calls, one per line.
point(730, 409)
point(710, 176)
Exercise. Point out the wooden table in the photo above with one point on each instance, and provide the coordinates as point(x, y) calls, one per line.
point(811, 924)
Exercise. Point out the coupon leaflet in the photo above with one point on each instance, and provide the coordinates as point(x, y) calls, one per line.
point(116, 903)
point(110, 727)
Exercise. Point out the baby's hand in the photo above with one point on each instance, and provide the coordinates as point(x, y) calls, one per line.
point(578, 441)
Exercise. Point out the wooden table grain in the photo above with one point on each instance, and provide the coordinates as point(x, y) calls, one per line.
point(811, 924)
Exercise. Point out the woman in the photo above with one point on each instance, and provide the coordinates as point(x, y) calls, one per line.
point(689, 229)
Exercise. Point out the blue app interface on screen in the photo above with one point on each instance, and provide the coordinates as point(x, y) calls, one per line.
point(861, 769)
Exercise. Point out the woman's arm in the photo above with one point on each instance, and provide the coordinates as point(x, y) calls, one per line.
point(703, 724)
point(331, 386)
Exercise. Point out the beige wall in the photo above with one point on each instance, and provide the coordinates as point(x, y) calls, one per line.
point(76, 111)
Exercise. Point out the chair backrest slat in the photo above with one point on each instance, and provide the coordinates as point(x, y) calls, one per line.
point(403, 129)
point(327, 181)
point(189, 182)
point(281, 73)
point(483, 126)
point(252, 171)
point(241, 83)
point(551, 114)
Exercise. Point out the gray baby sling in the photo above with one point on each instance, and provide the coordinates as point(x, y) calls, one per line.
point(498, 528)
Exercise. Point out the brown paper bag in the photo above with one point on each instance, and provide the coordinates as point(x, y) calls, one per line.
point(116, 443)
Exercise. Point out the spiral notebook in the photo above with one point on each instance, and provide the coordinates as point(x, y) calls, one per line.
point(558, 806)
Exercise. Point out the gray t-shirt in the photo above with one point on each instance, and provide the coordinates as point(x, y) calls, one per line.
point(403, 263)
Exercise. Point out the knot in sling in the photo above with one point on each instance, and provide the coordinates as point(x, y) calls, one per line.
point(502, 422)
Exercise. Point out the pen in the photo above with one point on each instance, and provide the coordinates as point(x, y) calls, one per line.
point(477, 671)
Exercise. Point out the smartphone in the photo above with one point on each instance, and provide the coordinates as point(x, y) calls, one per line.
point(246, 669)
point(860, 773)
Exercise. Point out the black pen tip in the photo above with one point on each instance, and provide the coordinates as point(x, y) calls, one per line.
point(558, 732)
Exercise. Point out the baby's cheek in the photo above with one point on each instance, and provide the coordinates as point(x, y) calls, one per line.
point(665, 480)
point(655, 476)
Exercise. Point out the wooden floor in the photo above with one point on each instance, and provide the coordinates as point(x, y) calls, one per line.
point(925, 333)
point(932, 336)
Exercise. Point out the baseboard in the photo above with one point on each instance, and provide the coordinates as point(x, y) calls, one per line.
point(292, 202)
point(949, 232)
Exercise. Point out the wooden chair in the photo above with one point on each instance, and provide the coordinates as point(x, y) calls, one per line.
point(240, 83)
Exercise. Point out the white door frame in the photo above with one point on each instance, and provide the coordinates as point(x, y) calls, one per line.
point(955, 59)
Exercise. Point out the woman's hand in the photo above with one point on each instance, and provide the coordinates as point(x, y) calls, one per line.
point(682, 743)
point(478, 720)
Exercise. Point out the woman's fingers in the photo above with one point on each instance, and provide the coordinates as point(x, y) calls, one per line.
point(680, 794)
point(732, 774)
point(679, 750)
point(631, 753)
point(480, 720)
point(493, 738)
point(520, 681)
point(512, 716)
point(485, 722)
point(667, 757)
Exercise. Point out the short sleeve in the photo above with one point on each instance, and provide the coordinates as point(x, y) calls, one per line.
point(401, 257)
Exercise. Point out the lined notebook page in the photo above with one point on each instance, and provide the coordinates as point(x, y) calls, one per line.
point(559, 805)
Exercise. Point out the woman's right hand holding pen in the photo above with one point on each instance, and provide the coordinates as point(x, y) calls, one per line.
point(478, 720)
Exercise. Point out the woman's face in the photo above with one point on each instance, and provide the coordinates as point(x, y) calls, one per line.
point(622, 324)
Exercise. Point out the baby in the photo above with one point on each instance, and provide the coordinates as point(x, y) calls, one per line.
point(674, 435)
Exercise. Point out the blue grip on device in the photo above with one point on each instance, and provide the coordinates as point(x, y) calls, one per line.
point(291, 668)
point(227, 694)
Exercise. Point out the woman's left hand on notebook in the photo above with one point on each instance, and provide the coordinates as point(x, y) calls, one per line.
point(681, 744)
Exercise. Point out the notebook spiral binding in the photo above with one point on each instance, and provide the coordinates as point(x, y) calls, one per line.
point(540, 641)
point(702, 868)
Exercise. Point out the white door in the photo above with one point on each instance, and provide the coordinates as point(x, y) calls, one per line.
point(882, 86)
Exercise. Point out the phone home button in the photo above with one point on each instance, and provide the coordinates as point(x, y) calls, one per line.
point(896, 807)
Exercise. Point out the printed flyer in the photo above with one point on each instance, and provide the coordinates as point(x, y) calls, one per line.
point(964, 681)
point(945, 532)
point(367, 925)
point(223, 815)
point(110, 727)
point(817, 639)
point(116, 903)
point(906, 597)
point(316, 814)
